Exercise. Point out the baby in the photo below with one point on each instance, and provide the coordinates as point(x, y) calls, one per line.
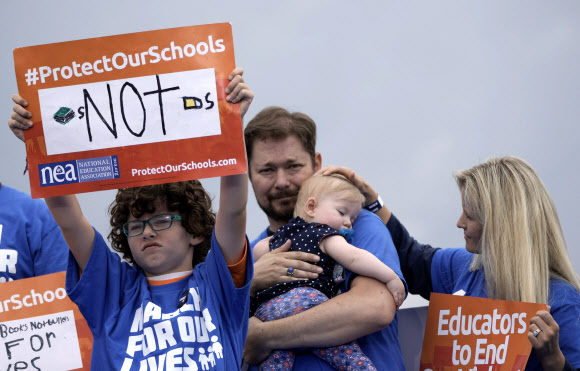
point(325, 205)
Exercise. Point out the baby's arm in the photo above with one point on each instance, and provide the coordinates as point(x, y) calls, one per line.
point(65, 210)
point(261, 248)
point(363, 263)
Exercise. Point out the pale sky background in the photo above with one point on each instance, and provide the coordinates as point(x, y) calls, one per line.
point(403, 92)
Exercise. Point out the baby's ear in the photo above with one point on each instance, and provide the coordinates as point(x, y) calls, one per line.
point(310, 206)
point(196, 240)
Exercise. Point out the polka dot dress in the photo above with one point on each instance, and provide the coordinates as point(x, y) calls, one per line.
point(305, 237)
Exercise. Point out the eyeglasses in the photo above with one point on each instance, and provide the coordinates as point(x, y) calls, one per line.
point(157, 223)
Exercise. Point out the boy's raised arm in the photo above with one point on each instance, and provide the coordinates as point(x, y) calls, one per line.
point(76, 229)
point(230, 227)
point(65, 210)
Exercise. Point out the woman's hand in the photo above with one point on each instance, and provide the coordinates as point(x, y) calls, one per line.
point(545, 343)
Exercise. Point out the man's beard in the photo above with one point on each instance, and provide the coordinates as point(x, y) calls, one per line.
point(283, 213)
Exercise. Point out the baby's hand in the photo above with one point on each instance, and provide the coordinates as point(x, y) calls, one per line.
point(397, 289)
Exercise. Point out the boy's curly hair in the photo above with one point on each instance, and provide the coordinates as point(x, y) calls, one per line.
point(189, 199)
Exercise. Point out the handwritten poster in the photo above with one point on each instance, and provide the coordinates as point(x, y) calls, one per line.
point(130, 110)
point(40, 328)
point(467, 333)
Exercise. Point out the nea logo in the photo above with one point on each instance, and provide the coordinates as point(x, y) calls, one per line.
point(58, 173)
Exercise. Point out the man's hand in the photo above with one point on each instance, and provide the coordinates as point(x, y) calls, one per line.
point(272, 268)
point(255, 350)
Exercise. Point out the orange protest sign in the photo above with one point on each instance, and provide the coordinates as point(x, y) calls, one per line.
point(40, 328)
point(130, 110)
point(467, 333)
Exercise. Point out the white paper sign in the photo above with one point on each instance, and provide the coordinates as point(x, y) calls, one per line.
point(127, 112)
point(47, 342)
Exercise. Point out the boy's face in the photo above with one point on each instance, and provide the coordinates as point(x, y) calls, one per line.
point(162, 252)
point(337, 212)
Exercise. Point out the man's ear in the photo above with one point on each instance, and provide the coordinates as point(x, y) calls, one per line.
point(196, 240)
point(310, 207)
point(317, 161)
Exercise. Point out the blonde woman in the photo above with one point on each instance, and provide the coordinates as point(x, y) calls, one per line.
point(514, 250)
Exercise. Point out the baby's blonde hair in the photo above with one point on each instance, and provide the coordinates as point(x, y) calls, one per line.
point(320, 186)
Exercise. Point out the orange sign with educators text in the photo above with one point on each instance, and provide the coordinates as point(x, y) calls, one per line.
point(40, 328)
point(130, 110)
point(467, 333)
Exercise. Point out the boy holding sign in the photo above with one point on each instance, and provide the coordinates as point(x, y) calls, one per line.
point(167, 311)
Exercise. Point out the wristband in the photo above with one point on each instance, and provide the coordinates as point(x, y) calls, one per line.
point(375, 206)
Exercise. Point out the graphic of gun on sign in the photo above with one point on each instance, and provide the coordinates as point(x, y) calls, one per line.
point(64, 115)
point(196, 103)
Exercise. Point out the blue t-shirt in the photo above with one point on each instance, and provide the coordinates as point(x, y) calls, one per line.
point(31, 243)
point(450, 273)
point(138, 326)
point(382, 347)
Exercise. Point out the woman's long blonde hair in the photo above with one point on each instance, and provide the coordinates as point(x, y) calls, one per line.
point(522, 244)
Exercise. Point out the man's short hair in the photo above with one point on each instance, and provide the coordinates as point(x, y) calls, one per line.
point(278, 123)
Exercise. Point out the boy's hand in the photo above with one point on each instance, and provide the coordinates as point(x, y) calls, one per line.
point(20, 118)
point(238, 91)
point(397, 289)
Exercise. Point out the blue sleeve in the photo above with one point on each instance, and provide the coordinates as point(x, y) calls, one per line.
point(450, 269)
point(415, 258)
point(565, 309)
point(51, 251)
point(372, 236)
point(235, 301)
point(101, 291)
